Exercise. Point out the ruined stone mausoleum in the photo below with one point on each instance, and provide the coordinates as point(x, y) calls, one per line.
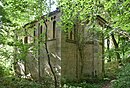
point(68, 59)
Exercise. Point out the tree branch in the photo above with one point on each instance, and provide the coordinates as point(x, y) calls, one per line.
point(49, 60)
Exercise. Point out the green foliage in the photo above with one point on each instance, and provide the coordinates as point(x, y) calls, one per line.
point(124, 49)
point(119, 12)
point(111, 69)
point(20, 12)
point(15, 13)
point(81, 85)
point(6, 60)
point(14, 82)
point(5, 70)
point(2, 71)
point(116, 13)
point(76, 11)
point(123, 78)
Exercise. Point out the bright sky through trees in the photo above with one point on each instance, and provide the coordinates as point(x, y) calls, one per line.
point(53, 4)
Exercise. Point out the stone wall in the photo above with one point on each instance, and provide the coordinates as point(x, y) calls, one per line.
point(68, 59)
point(71, 63)
point(65, 57)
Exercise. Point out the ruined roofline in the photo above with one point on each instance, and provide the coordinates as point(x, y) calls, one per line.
point(103, 23)
point(53, 12)
point(99, 18)
point(30, 23)
point(42, 17)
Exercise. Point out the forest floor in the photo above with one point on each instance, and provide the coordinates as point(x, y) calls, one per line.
point(107, 85)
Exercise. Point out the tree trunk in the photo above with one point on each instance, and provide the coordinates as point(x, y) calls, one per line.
point(49, 60)
point(116, 48)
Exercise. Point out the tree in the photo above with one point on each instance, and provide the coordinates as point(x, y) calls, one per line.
point(115, 12)
point(20, 14)
point(15, 14)
point(80, 16)
point(111, 15)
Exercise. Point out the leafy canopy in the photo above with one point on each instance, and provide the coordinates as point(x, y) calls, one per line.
point(116, 12)
point(20, 12)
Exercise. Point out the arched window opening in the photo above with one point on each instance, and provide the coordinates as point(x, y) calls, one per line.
point(54, 29)
point(25, 38)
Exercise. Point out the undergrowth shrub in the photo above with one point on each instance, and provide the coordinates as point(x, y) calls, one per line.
point(15, 82)
point(81, 85)
point(4, 71)
point(1, 71)
point(123, 78)
point(111, 69)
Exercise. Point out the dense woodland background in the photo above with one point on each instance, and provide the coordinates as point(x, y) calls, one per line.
point(114, 25)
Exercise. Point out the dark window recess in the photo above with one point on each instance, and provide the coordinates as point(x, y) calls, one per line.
point(46, 20)
point(41, 30)
point(67, 34)
point(25, 39)
point(54, 29)
point(54, 17)
point(71, 35)
point(34, 35)
point(51, 18)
